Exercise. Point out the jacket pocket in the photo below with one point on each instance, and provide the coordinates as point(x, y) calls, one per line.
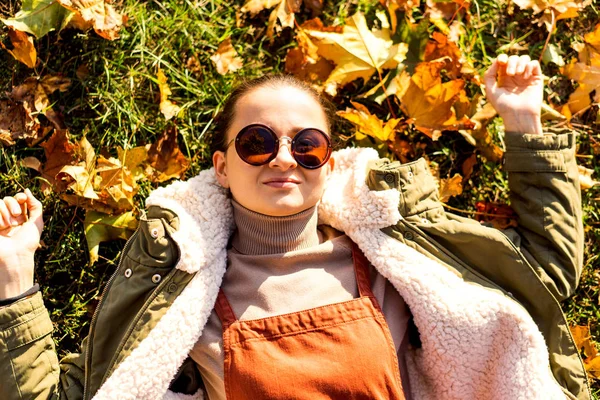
point(153, 246)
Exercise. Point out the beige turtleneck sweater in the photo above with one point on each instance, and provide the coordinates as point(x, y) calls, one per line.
point(279, 265)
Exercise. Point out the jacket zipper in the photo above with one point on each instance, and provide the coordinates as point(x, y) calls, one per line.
point(95, 316)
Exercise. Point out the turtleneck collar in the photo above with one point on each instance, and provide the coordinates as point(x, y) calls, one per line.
point(259, 234)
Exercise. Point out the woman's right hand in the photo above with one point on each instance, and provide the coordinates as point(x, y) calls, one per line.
point(21, 225)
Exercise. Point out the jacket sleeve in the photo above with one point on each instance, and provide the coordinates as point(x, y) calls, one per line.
point(544, 191)
point(29, 365)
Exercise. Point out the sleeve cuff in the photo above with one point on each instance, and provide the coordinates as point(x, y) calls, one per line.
point(24, 322)
point(551, 152)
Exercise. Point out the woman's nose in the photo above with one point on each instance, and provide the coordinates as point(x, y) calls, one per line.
point(284, 158)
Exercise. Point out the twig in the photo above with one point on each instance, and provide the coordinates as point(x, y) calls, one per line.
point(552, 28)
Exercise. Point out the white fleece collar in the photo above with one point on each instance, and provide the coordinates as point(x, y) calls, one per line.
point(476, 344)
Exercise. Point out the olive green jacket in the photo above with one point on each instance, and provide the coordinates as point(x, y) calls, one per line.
point(485, 303)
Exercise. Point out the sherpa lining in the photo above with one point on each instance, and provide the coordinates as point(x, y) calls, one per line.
point(476, 343)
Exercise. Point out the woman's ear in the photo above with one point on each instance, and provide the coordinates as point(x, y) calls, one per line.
point(220, 164)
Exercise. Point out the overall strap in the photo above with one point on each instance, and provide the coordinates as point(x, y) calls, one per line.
point(361, 270)
point(224, 310)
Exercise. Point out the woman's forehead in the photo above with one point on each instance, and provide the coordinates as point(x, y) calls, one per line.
point(283, 108)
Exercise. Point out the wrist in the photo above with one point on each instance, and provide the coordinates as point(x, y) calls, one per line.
point(16, 277)
point(523, 123)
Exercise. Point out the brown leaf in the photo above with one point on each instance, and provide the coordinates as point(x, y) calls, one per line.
point(83, 71)
point(33, 163)
point(226, 59)
point(441, 47)
point(34, 92)
point(167, 107)
point(450, 187)
point(500, 216)
point(166, 158)
point(562, 9)
point(480, 136)
point(403, 149)
point(60, 151)
point(468, 165)
point(98, 14)
point(16, 123)
point(304, 61)
point(23, 47)
point(429, 102)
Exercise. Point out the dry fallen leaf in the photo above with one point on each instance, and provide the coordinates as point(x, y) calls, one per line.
point(357, 51)
point(98, 14)
point(369, 124)
point(585, 178)
point(429, 103)
point(591, 360)
point(23, 47)
point(480, 137)
point(450, 187)
point(284, 12)
point(59, 151)
point(16, 123)
point(167, 107)
point(226, 59)
point(166, 158)
point(34, 92)
point(134, 160)
point(304, 61)
point(440, 47)
point(553, 9)
point(500, 216)
point(100, 227)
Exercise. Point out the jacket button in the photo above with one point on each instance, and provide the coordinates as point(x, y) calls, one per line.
point(128, 272)
point(410, 176)
point(408, 235)
point(156, 278)
point(154, 233)
point(172, 287)
point(389, 178)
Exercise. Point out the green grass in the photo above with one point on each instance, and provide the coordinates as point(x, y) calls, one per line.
point(117, 105)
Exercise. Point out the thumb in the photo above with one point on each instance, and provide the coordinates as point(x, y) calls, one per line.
point(35, 210)
point(489, 79)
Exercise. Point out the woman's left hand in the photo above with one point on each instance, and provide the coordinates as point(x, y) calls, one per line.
point(515, 87)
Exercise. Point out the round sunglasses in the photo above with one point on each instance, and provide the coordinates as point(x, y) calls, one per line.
point(257, 144)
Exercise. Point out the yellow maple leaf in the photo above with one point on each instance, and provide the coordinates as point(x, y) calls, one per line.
point(585, 177)
point(368, 124)
point(357, 51)
point(226, 59)
point(167, 107)
point(429, 102)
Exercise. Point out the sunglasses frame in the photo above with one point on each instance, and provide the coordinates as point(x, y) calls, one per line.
point(278, 145)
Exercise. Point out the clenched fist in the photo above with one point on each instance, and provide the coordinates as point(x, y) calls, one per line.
point(21, 225)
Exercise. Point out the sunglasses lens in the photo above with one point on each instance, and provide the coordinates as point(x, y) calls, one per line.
point(255, 145)
point(311, 148)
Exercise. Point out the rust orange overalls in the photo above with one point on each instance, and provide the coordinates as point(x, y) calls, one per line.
point(338, 351)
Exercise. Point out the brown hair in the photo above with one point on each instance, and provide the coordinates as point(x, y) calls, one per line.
point(227, 114)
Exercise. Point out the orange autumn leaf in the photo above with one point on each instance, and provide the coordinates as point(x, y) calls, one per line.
point(498, 215)
point(284, 12)
point(166, 158)
point(450, 187)
point(304, 61)
point(441, 47)
point(226, 59)
point(167, 107)
point(34, 92)
point(429, 103)
point(23, 47)
point(369, 124)
point(591, 360)
point(97, 14)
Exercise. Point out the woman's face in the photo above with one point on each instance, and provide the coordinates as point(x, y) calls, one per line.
point(281, 187)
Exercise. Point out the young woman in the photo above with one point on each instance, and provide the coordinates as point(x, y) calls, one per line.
point(286, 272)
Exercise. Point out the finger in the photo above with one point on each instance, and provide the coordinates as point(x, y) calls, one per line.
point(522, 63)
point(536, 69)
point(35, 210)
point(21, 197)
point(13, 206)
point(502, 59)
point(4, 216)
point(511, 66)
point(489, 78)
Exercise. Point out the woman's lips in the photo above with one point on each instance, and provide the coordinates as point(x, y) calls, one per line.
point(282, 183)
